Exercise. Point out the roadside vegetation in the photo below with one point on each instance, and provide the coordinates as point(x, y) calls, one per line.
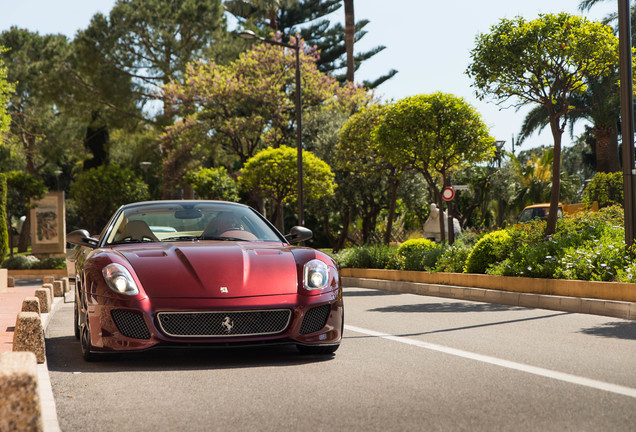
point(586, 246)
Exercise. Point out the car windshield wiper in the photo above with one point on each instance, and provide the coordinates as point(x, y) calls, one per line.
point(211, 237)
point(185, 237)
point(128, 240)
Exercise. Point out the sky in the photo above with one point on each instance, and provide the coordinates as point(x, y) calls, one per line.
point(427, 41)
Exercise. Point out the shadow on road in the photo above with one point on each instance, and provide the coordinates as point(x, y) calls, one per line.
point(368, 293)
point(64, 355)
point(449, 308)
point(617, 329)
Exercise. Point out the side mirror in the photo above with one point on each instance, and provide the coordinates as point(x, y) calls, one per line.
point(81, 238)
point(298, 234)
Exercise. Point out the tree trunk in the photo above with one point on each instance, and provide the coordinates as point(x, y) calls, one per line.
point(389, 222)
point(349, 38)
point(606, 149)
point(557, 133)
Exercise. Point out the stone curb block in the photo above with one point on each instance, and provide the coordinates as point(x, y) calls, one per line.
point(48, 279)
point(29, 335)
point(49, 286)
point(58, 288)
point(20, 408)
point(44, 297)
point(612, 308)
point(10, 281)
point(31, 304)
point(66, 284)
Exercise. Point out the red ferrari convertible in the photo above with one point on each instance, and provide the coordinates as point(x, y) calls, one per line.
point(204, 273)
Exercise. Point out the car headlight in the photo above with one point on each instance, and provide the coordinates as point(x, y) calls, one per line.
point(316, 275)
point(119, 279)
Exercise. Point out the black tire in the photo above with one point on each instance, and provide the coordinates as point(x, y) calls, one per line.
point(86, 344)
point(76, 319)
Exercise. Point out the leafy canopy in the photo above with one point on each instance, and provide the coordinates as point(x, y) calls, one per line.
point(543, 60)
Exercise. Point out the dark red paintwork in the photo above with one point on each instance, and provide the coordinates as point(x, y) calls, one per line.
point(189, 276)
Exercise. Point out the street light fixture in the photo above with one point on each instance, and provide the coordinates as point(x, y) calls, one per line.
point(247, 34)
point(144, 166)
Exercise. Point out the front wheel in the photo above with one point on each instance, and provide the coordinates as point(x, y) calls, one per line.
point(76, 321)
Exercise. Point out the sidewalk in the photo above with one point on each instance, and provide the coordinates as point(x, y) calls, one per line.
point(11, 305)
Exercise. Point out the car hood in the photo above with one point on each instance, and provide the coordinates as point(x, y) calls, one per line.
point(209, 269)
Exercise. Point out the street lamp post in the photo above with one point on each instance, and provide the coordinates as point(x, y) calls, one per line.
point(247, 34)
point(499, 146)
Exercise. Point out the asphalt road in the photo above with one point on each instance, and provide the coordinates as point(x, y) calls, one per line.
point(407, 363)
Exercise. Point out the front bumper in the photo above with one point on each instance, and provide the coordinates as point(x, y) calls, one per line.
point(135, 325)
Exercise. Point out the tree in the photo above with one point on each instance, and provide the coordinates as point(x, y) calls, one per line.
point(4, 233)
point(555, 56)
point(99, 192)
point(307, 19)
point(371, 180)
point(5, 91)
point(245, 106)
point(600, 105)
point(273, 173)
point(152, 41)
point(435, 135)
point(21, 188)
point(213, 183)
point(40, 128)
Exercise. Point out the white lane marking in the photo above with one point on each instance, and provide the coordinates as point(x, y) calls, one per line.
point(573, 379)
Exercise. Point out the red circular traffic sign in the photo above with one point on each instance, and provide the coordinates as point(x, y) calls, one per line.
point(448, 193)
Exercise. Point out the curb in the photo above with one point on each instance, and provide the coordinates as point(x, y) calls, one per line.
point(49, 412)
point(612, 308)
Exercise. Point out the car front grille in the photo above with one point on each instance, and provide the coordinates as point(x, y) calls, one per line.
point(224, 324)
point(315, 319)
point(130, 323)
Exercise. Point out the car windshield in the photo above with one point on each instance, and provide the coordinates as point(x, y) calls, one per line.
point(159, 222)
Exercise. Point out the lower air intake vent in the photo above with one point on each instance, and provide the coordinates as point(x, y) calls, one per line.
point(130, 324)
point(224, 324)
point(315, 319)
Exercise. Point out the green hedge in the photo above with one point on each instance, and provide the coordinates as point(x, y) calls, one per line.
point(586, 246)
point(4, 232)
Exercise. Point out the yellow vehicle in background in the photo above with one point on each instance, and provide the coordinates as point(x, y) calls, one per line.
point(541, 211)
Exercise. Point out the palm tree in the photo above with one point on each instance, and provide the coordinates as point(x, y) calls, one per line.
point(600, 105)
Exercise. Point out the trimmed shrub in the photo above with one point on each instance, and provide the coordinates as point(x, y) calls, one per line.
point(370, 256)
point(29, 262)
point(492, 248)
point(419, 254)
point(20, 262)
point(606, 188)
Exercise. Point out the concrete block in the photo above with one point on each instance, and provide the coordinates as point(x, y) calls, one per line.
point(29, 335)
point(550, 302)
point(58, 288)
point(48, 279)
point(44, 296)
point(4, 279)
point(10, 281)
point(617, 309)
point(66, 284)
point(20, 407)
point(49, 287)
point(571, 304)
point(31, 304)
point(529, 300)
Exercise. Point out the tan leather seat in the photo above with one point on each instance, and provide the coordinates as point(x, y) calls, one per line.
point(139, 230)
